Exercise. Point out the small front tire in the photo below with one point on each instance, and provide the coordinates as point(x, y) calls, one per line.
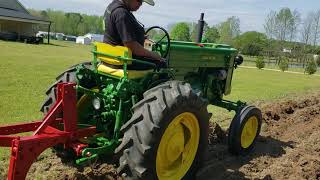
point(244, 130)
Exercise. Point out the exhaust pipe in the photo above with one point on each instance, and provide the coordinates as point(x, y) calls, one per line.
point(200, 28)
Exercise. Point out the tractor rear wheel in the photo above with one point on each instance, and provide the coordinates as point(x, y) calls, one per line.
point(69, 75)
point(244, 130)
point(167, 136)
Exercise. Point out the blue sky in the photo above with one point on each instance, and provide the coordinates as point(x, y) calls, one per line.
point(252, 13)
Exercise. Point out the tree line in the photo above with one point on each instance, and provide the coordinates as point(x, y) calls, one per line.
point(223, 32)
point(288, 38)
point(285, 28)
point(286, 25)
point(290, 30)
point(71, 23)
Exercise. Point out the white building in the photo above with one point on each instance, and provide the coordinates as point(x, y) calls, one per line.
point(285, 50)
point(83, 40)
point(16, 22)
point(95, 37)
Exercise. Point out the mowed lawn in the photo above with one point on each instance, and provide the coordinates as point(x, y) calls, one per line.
point(253, 85)
point(27, 70)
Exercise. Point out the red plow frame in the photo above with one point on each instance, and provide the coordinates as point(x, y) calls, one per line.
point(25, 149)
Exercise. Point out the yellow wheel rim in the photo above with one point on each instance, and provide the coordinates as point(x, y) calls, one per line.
point(178, 147)
point(249, 132)
point(83, 104)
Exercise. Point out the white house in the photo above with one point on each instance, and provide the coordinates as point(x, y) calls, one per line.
point(285, 50)
point(16, 22)
point(95, 37)
point(83, 40)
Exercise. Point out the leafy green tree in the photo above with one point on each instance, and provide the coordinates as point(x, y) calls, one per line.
point(306, 31)
point(283, 18)
point(156, 35)
point(318, 60)
point(311, 67)
point(44, 14)
point(58, 20)
point(194, 30)
point(260, 62)
point(73, 20)
point(70, 23)
point(91, 24)
point(251, 43)
point(229, 30)
point(181, 32)
point(211, 35)
point(284, 64)
point(316, 27)
point(282, 25)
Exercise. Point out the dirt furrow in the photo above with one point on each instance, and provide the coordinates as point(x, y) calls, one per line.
point(289, 146)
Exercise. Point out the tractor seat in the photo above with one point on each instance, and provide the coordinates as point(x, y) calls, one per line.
point(114, 67)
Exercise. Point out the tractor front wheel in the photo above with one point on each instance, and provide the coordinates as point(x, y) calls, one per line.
point(244, 130)
point(167, 135)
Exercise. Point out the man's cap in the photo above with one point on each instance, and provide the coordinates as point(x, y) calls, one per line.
point(150, 2)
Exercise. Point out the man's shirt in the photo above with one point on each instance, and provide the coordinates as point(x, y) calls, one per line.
point(121, 26)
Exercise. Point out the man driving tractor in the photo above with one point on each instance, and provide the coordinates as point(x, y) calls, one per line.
point(123, 29)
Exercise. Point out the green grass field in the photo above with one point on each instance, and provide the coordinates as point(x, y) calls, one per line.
point(25, 73)
point(252, 85)
point(27, 70)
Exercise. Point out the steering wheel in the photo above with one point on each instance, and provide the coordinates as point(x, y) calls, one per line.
point(158, 44)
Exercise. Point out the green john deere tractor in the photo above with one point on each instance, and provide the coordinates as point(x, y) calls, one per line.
point(154, 118)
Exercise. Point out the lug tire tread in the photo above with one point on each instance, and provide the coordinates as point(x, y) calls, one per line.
point(67, 76)
point(144, 130)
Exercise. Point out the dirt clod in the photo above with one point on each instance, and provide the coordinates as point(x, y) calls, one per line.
point(216, 135)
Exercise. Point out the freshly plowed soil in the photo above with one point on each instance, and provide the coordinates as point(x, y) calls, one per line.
point(288, 148)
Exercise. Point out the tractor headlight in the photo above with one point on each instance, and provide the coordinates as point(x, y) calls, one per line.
point(238, 60)
point(96, 102)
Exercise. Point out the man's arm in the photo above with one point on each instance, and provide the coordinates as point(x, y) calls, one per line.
point(139, 50)
point(125, 25)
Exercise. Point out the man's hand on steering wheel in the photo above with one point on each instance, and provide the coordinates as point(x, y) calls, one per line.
point(158, 44)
